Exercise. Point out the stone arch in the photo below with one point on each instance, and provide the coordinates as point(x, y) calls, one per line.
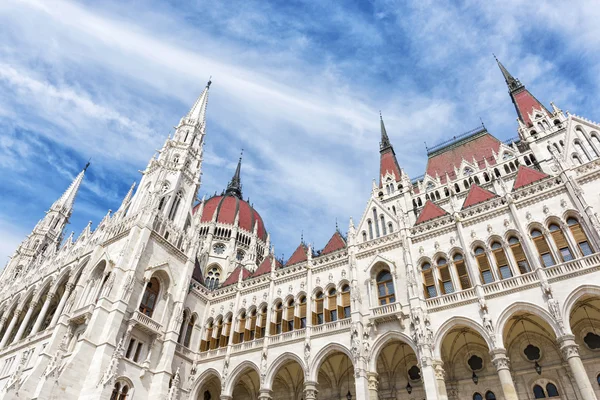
point(45, 287)
point(573, 298)
point(279, 362)
point(479, 243)
point(456, 322)
point(522, 306)
point(324, 352)
point(512, 232)
point(495, 238)
point(341, 284)
point(299, 296)
point(382, 341)
point(379, 263)
point(202, 379)
point(237, 373)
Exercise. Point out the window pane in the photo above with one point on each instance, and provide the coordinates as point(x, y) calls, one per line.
point(390, 287)
point(381, 290)
point(505, 272)
point(448, 288)
point(346, 312)
point(392, 299)
point(523, 267)
point(431, 291)
point(487, 276)
point(547, 260)
point(334, 315)
point(566, 254)
point(319, 319)
point(585, 248)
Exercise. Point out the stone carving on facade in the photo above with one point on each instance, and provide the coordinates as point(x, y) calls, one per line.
point(279, 292)
point(14, 381)
point(302, 285)
point(110, 374)
point(173, 393)
point(355, 343)
point(355, 295)
point(473, 234)
point(263, 366)
point(225, 373)
point(330, 277)
point(528, 216)
point(318, 281)
point(265, 295)
point(366, 346)
point(344, 273)
point(291, 289)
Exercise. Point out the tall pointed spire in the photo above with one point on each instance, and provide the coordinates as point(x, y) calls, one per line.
point(385, 140)
point(235, 184)
point(198, 111)
point(65, 202)
point(512, 82)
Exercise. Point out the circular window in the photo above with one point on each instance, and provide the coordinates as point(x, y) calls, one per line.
point(592, 341)
point(532, 352)
point(475, 362)
point(219, 248)
point(240, 255)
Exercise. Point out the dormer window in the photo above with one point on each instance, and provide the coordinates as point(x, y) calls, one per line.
point(430, 185)
point(506, 156)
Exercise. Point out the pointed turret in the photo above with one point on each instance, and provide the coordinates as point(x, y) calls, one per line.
point(388, 162)
point(234, 187)
point(525, 103)
point(198, 110)
point(65, 202)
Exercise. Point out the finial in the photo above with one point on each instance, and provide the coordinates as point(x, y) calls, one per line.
point(495, 57)
point(380, 116)
point(482, 124)
point(302, 236)
point(87, 164)
point(209, 82)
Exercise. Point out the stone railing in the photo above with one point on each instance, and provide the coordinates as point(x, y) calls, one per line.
point(516, 283)
point(249, 345)
point(331, 326)
point(287, 336)
point(463, 296)
point(146, 323)
point(220, 352)
point(558, 272)
point(386, 309)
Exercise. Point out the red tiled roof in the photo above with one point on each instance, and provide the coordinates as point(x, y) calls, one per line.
point(430, 211)
point(299, 255)
point(479, 147)
point(389, 164)
point(235, 275)
point(476, 195)
point(525, 102)
point(335, 243)
point(526, 176)
point(265, 266)
point(227, 210)
point(209, 208)
point(197, 273)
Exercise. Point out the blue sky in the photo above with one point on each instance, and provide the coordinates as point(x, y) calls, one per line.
point(298, 85)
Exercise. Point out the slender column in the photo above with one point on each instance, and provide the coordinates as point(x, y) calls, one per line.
point(10, 328)
point(373, 385)
point(3, 321)
point(361, 385)
point(310, 390)
point(502, 364)
point(429, 381)
point(61, 304)
point(42, 315)
point(265, 394)
point(440, 378)
point(25, 321)
point(570, 352)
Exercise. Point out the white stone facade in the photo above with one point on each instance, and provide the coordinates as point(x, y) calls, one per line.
point(426, 297)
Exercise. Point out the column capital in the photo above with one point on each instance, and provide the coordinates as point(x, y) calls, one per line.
point(265, 394)
point(438, 367)
point(568, 347)
point(373, 381)
point(310, 390)
point(226, 397)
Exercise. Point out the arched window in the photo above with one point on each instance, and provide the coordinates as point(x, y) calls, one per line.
point(519, 255)
point(149, 298)
point(497, 172)
point(477, 396)
point(212, 277)
point(390, 228)
point(332, 314)
point(542, 247)
point(561, 242)
point(116, 391)
point(370, 224)
point(161, 203)
point(552, 390)
point(385, 288)
point(120, 391)
point(579, 235)
point(239, 336)
point(175, 205)
point(251, 331)
point(501, 261)
point(456, 188)
point(216, 339)
point(345, 307)
point(276, 325)
point(538, 392)
point(226, 332)
point(461, 271)
point(182, 328)
point(582, 153)
point(364, 234)
point(288, 324)
point(428, 281)
point(204, 344)
point(383, 225)
point(375, 222)
point(318, 317)
point(262, 323)
point(489, 395)
point(302, 314)
point(576, 159)
point(484, 265)
point(445, 280)
point(598, 379)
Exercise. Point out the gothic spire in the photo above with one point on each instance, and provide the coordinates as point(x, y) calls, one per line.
point(235, 184)
point(198, 111)
point(385, 140)
point(512, 82)
point(65, 202)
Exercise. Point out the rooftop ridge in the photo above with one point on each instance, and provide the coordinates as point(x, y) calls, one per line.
point(441, 147)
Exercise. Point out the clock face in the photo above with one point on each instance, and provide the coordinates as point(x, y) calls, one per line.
point(240, 255)
point(219, 248)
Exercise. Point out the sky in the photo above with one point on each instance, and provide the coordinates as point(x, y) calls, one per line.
point(298, 85)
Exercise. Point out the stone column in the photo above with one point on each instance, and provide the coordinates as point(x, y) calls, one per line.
point(429, 380)
point(361, 385)
point(25, 321)
point(502, 364)
point(10, 328)
point(42, 315)
point(226, 397)
point(452, 390)
point(61, 304)
point(440, 378)
point(310, 390)
point(570, 352)
point(265, 394)
point(373, 385)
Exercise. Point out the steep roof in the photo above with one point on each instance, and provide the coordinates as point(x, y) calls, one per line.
point(430, 211)
point(235, 275)
point(526, 176)
point(476, 195)
point(336, 242)
point(388, 161)
point(477, 144)
point(265, 266)
point(197, 273)
point(298, 255)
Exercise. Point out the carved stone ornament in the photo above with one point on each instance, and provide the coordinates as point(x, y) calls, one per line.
point(291, 289)
point(265, 295)
point(318, 281)
point(563, 203)
point(279, 292)
point(528, 216)
point(244, 303)
point(546, 209)
point(473, 234)
point(421, 250)
point(506, 222)
point(501, 362)
point(569, 350)
point(330, 277)
point(489, 228)
point(343, 273)
point(440, 374)
point(452, 240)
point(253, 299)
point(302, 285)
point(436, 245)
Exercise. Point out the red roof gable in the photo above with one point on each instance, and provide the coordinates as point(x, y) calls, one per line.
point(430, 211)
point(197, 273)
point(299, 255)
point(235, 275)
point(526, 176)
point(389, 164)
point(479, 147)
point(265, 266)
point(335, 243)
point(476, 195)
point(525, 103)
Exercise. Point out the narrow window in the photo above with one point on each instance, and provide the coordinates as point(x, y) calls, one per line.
point(149, 298)
point(383, 225)
point(543, 249)
point(484, 266)
point(519, 255)
point(538, 392)
point(561, 242)
point(552, 390)
point(138, 351)
point(385, 288)
point(345, 307)
point(461, 271)
point(331, 314)
point(489, 395)
point(445, 280)
point(302, 313)
point(428, 281)
point(579, 235)
point(370, 229)
point(376, 224)
point(175, 205)
point(501, 261)
point(318, 314)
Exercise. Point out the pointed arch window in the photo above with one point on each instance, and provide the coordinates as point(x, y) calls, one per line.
point(552, 390)
point(579, 236)
point(318, 317)
point(175, 205)
point(477, 396)
point(461, 271)
point(238, 336)
point(489, 395)
point(383, 225)
point(288, 324)
point(149, 298)
point(375, 222)
point(205, 343)
point(561, 242)
point(445, 280)
point(344, 309)
point(301, 320)
point(542, 247)
point(251, 331)
point(224, 341)
point(428, 281)
point(576, 159)
point(262, 323)
point(538, 392)
point(370, 224)
point(519, 255)
point(276, 327)
point(212, 278)
point(182, 328)
point(582, 152)
point(214, 341)
point(484, 265)
point(501, 261)
point(385, 288)
point(332, 314)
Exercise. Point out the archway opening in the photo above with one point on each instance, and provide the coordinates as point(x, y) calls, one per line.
point(399, 372)
point(247, 385)
point(336, 377)
point(210, 389)
point(288, 384)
